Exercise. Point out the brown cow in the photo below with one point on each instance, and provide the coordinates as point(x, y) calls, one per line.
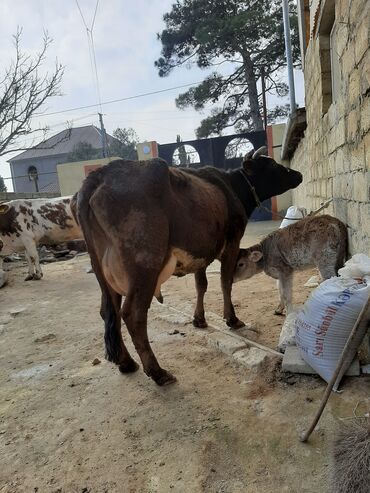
point(144, 221)
point(320, 241)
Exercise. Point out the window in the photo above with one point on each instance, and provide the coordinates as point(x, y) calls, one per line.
point(329, 60)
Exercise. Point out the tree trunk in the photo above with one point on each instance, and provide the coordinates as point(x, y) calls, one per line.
point(252, 92)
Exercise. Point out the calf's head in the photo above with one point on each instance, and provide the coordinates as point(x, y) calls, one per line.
point(267, 176)
point(249, 264)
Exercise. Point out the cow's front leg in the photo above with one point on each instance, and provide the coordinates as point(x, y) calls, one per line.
point(201, 285)
point(34, 268)
point(228, 263)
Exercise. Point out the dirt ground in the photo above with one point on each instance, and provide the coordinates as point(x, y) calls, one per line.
point(68, 426)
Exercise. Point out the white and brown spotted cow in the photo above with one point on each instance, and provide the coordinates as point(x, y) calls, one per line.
point(24, 224)
point(320, 241)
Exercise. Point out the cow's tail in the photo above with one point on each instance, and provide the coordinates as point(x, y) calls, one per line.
point(110, 303)
point(73, 206)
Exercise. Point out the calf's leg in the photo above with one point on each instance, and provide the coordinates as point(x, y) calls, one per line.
point(201, 285)
point(135, 314)
point(285, 289)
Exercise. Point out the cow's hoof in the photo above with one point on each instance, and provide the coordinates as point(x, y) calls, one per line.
point(165, 378)
point(279, 312)
point(235, 324)
point(37, 277)
point(128, 366)
point(200, 323)
point(29, 277)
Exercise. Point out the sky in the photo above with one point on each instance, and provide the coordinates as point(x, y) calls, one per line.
point(126, 46)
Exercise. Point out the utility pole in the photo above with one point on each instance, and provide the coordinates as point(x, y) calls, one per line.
point(103, 137)
point(264, 105)
point(288, 54)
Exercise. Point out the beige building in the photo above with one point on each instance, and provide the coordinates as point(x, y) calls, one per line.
point(330, 141)
point(71, 175)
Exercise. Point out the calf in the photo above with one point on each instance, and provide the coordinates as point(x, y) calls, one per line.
point(24, 224)
point(319, 241)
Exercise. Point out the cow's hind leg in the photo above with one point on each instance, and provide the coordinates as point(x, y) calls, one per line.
point(201, 285)
point(135, 314)
point(115, 349)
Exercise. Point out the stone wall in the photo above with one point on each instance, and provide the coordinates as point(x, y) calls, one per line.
point(6, 196)
point(334, 155)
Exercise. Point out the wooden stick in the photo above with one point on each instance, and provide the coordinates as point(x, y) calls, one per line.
point(361, 324)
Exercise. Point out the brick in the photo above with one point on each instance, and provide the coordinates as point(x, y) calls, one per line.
point(365, 216)
point(293, 363)
point(224, 343)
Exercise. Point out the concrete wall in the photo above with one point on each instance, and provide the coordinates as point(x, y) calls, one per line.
point(334, 155)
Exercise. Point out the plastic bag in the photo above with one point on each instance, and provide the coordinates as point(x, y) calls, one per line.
point(324, 323)
point(293, 214)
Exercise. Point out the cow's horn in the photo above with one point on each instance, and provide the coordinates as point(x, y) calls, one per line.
point(262, 151)
point(4, 208)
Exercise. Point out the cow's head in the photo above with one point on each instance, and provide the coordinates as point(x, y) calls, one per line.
point(267, 176)
point(249, 264)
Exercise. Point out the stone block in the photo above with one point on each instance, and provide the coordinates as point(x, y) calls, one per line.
point(348, 61)
point(347, 186)
point(224, 343)
point(358, 160)
point(365, 115)
point(362, 39)
point(360, 188)
point(353, 214)
point(365, 220)
point(366, 142)
point(293, 363)
point(251, 358)
point(365, 73)
point(353, 93)
point(352, 121)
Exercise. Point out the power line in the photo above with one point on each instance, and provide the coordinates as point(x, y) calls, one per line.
point(119, 100)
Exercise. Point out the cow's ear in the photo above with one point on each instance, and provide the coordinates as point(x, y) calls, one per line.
point(255, 256)
point(4, 208)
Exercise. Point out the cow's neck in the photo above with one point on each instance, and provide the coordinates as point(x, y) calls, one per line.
point(243, 191)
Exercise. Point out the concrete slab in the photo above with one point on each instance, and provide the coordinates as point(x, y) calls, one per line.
point(250, 358)
point(224, 343)
point(293, 363)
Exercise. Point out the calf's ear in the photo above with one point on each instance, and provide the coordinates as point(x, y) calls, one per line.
point(4, 208)
point(255, 256)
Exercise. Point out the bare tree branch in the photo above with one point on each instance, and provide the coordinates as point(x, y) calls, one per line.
point(22, 92)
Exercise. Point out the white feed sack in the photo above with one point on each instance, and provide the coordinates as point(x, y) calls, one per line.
point(293, 214)
point(328, 316)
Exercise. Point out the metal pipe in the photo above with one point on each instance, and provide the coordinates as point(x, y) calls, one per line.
point(288, 54)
